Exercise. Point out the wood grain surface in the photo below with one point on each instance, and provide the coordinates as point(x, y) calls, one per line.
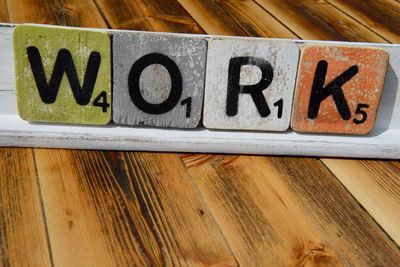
point(58, 12)
point(100, 208)
point(256, 207)
point(243, 18)
point(375, 184)
point(23, 229)
point(148, 15)
point(308, 25)
point(382, 17)
point(3, 11)
point(126, 208)
point(319, 20)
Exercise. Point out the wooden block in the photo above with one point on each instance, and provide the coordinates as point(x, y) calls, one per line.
point(250, 84)
point(63, 75)
point(338, 89)
point(158, 79)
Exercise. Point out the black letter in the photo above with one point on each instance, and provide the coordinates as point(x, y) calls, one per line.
point(255, 90)
point(334, 88)
point(64, 63)
point(134, 86)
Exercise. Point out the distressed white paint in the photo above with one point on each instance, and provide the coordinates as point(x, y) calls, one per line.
point(383, 142)
point(7, 69)
point(189, 55)
point(283, 57)
point(16, 132)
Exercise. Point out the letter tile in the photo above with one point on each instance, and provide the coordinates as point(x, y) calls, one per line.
point(250, 84)
point(338, 89)
point(158, 79)
point(63, 75)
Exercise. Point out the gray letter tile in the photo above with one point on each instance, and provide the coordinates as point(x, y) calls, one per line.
point(158, 79)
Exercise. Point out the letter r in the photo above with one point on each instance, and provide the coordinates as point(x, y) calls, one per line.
point(255, 90)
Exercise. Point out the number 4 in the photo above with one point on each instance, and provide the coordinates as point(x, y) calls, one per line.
point(103, 104)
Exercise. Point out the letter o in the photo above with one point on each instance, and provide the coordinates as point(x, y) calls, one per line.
point(134, 86)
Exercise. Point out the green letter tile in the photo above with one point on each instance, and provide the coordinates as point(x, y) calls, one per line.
point(63, 75)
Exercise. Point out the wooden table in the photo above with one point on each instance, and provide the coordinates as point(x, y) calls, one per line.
point(102, 208)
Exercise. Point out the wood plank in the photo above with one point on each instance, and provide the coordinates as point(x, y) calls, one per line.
point(68, 12)
point(382, 17)
point(111, 208)
point(319, 20)
point(3, 11)
point(23, 236)
point(77, 236)
point(153, 15)
point(396, 163)
point(376, 185)
point(179, 212)
point(244, 18)
point(288, 211)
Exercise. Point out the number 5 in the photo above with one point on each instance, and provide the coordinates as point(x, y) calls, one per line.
point(362, 113)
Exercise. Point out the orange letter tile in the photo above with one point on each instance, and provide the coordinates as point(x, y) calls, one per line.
point(338, 89)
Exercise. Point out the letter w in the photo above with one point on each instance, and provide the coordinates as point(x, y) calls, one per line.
point(64, 63)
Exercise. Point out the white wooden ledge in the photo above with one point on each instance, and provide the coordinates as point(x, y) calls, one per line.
point(383, 142)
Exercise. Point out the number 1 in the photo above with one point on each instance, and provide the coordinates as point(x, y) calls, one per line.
point(279, 104)
point(188, 103)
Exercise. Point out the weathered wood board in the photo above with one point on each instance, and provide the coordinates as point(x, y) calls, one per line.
point(382, 142)
point(285, 211)
point(63, 75)
point(23, 238)
point(122, 211)
point(249, 84)
point(158, 79)
point(375, 185)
